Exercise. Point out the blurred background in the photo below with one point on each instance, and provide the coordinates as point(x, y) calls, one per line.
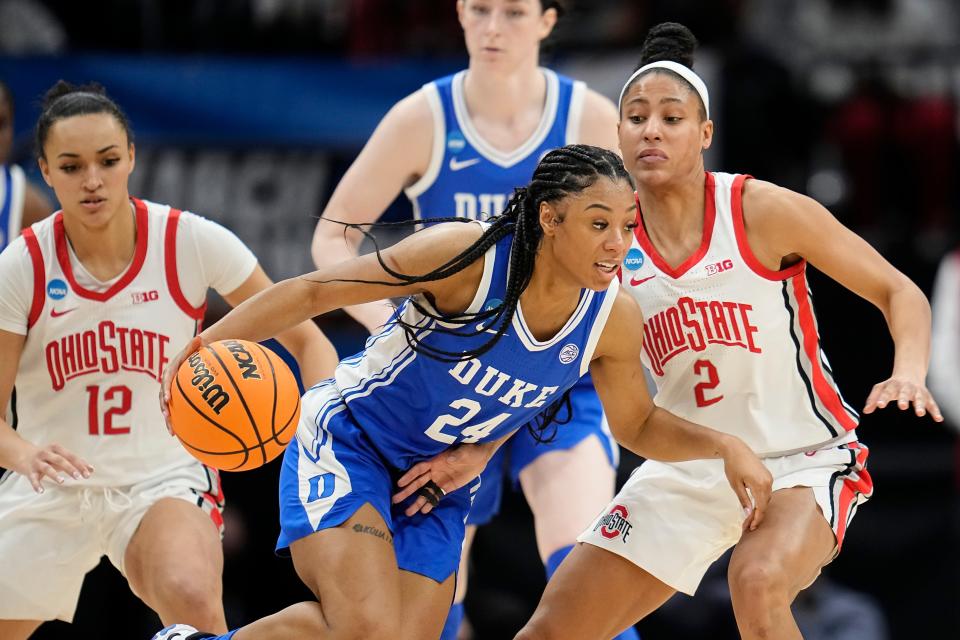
point(248, 112)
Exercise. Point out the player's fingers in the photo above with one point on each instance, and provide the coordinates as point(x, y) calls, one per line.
point(934, 409)
point(420, 504)
point(79, 464)
point(417, 471)
point(871, 402)
point(887, 393)
point(742, 496)
point(761, 499)
point(920, 403)
point(47, 470)
point(906, 393)
point(34, 478)
point(63, 465)
point(409, 490)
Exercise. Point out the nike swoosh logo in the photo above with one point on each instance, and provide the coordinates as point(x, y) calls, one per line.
point(56, 314)
point(457, 165)
point(481, 327)
point(636, 281)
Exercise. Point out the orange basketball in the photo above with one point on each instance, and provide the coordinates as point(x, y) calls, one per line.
point(234, 405)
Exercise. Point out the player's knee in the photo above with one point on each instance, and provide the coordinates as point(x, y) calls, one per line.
point(362, 623)
point(756, 580)
point(178, 588)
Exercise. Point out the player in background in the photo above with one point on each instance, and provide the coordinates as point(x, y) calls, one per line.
point(94, 300)
point(501, 320)
point(718, 269)
point(945, 352)
point(21, 204)
point(458, 147)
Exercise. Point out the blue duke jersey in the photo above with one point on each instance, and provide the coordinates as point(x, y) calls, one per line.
point(467, 177)
point(413, 406)
point(12, 190)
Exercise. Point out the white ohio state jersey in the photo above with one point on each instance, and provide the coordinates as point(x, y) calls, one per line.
point(731, 344)
point(89, 373)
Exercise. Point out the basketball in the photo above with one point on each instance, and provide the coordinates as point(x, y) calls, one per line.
point(234, 405)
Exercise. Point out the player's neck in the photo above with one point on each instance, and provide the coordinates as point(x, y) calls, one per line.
point(549, 299)
point(104, 251)
point(673, 216)
point(500, 95)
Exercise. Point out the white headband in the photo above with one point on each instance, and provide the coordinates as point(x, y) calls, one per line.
point(684, 72)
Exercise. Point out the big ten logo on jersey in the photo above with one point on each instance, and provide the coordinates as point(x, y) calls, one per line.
point(719, 267)
point(695, 324)
point(139, 297)
point(491, 383)
point(479, 206)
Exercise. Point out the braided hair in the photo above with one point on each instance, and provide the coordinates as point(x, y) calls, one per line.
point(561, 173)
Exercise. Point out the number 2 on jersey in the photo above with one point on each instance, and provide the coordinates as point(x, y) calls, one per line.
point(699, 391)
point(120, 396)
point(471, 433)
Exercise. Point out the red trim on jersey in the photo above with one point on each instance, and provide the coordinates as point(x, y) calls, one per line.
point(709, 216)
point(39, 276)
point(170, 267)
point(828, 394)
point(139, 254)
point(863, 484)
point(740, 230)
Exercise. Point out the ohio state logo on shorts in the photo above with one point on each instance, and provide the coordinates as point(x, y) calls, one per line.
point(615, 523)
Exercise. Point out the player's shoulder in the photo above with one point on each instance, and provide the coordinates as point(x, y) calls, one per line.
point(768, 206)
point(593, 100)
point(414, 111)
point(623, 326)
point(14, 253)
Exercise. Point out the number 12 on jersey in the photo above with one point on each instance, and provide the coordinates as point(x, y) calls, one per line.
point(120, 397)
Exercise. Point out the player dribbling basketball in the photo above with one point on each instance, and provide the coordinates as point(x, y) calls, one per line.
point(93, 302)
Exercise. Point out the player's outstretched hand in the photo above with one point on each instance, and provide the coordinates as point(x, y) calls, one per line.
point(904, 391)
point(447, 471)
point(751, 481)
point(51, 462)
point(170, 372)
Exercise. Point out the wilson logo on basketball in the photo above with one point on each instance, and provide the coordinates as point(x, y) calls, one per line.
point(615, 523)
point(212, 393)
point(235, 405)
point(248, 368)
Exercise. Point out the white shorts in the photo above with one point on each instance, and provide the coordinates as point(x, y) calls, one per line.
point(49, 541)
point(675, 519)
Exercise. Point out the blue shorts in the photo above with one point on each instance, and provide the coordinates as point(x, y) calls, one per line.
point(332, 468)
point(522, 449)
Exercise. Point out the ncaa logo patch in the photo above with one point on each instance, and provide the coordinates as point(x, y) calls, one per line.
point(57, 289)
point(455, 141)
point(569, 353)
point(615, 523)
point(634, 259)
